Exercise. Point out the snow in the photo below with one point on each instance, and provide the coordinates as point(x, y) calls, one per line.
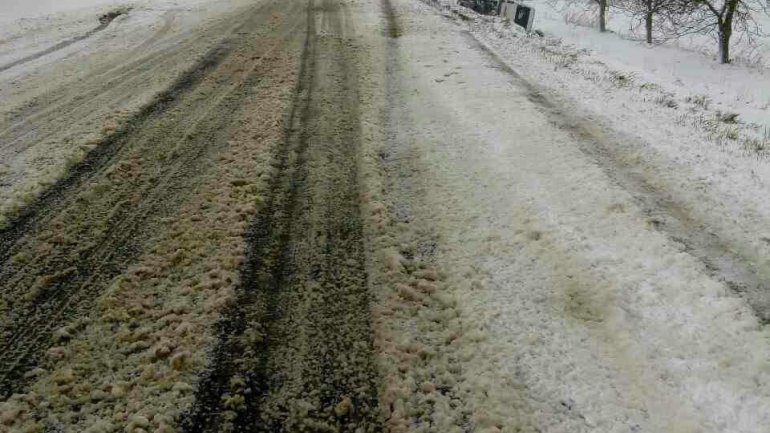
point(11, 10)
point(182, 29)
point(14, 10)
point(579, 313)
point(588, 317)
point(29, 27)
point(678, 65)
point(721, 182)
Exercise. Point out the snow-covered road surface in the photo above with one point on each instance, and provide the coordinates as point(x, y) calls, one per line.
point(593, 318)
point(533, 264)
point(65, 86)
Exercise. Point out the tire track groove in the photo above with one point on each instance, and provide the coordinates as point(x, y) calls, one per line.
point(106, 211)
point(104, 21)
point(295, 352)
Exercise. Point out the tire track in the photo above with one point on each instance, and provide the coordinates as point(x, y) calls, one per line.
point(71, 105)
point(107, 150)
point(104, 21)
point(91, 225)
point(168, 22)
point(295, 352)
point(393, 29)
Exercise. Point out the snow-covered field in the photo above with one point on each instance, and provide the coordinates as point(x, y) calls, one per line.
point(34, 25)
point(14, 9)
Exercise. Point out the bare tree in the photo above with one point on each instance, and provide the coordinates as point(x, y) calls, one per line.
point(720, 18)
point(647, 11)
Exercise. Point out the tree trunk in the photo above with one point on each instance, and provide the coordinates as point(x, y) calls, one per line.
point(648, 26)
point(726, 31)
point(602, 16)
point(724, 45)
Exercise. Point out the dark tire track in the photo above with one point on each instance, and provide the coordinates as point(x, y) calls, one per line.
point(89, 227)
point(295, 352)
point(393, 29)
point(107, 150)
point(104, 21)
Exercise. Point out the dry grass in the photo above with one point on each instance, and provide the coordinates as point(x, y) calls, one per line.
point(667, 100)
point(701, 101)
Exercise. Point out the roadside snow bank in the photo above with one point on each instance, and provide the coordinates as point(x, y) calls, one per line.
point(686, 148)
point(590, 318)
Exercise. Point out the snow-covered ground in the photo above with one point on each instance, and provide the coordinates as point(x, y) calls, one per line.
point(574, 208)
point(683, 66)
point(673, 141)
point(552, 15)
point(30, 27)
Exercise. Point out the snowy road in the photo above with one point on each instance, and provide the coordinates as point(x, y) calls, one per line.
point(590, 316)
point(355, 215)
